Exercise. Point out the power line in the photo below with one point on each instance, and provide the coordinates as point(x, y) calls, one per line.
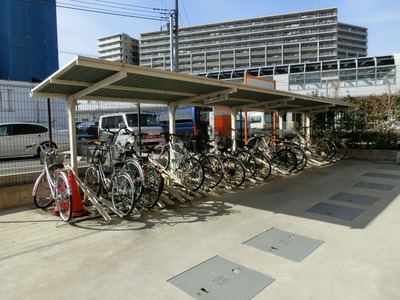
point(184, 9)
point(148, 13)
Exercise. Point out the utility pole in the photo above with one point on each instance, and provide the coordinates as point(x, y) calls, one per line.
point(173, 31)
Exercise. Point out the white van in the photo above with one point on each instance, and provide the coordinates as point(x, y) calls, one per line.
point(148, 125)
point(259, 121)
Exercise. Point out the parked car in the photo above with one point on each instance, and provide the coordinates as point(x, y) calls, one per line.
point(89, 128)
point(148, 124)
point(190, 121)
point(16, 137)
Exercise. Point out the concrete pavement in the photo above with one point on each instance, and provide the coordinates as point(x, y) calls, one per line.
point(43, 258)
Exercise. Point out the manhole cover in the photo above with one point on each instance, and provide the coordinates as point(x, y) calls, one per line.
point(220, 279)
point(375, 186)
point(355, 198)
point(336, 211)
point(382, 175)
point(288, 245)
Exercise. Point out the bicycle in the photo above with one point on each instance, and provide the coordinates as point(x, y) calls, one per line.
point(110, 181)
point(316, 149)
point(282, 158)
point(225, 147)
point(153, 182)
point(212, 164)
point(176, 160)
point(52, 185)
point(233, 170)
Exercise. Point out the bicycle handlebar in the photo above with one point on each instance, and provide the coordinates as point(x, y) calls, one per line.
point(47, 150)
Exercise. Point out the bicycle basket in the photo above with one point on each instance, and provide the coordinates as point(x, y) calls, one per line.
point(51, 159)
point(96, 156)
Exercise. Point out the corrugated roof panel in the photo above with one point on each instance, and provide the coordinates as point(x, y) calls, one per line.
point(88, 78)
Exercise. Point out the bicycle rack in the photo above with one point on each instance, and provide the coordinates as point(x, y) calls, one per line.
point(102, 205)
point(170, 179)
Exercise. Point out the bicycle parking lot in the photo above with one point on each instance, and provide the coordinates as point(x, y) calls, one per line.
point(136, 258)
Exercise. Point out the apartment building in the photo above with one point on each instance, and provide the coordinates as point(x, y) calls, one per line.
point(306, 36)
point(119, 47)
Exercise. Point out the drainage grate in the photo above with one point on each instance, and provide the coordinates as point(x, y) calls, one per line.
point(382, 175)
point(336, 211)
point(219, 279)
point(375, 186)
point(355, 198)
point(288, 245)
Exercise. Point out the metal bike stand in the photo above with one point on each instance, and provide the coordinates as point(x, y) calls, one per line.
point(99, 203)
point(169, 178)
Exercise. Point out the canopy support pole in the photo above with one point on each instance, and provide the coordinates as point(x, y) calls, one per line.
point(171, 117)
point(71, 108)
point(233, 126)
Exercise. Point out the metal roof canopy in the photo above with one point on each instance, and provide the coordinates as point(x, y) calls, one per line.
point(96, 79)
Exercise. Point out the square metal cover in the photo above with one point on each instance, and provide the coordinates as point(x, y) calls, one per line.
point(336, 211)
point(220, 279)
point(375, 186)
point(382, 175)
point(288, 245)
point(355, 198)
point(390, 167)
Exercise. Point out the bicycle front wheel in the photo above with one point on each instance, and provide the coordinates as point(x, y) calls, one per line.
point(134, 169)
point(64, 197)
point(192, 173)
point(122, 194)
point(152, 189)
point(341, 150)
point(234, 172)
point(300, 155)
point(320, 149)
point(249, 162)
point(286, 160)
point(263, 165)
point(160, 155)
point(41, 192)
point(213, 172)
point(332, 149)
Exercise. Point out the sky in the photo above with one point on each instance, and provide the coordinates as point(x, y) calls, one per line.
point(78, 30)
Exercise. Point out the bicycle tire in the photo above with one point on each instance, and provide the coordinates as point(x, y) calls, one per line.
point(341, 150)
point(300, 155)
point(234, 171)
point(213, 172)
point(64, 197)
point(42, 197)
point(122, 194)
point(263, 165)
point(332, 149)
point(152, 187)
point(249, 162)
point(192, 173)
point(286, 159)
point(160, 154)
point(320, 149)
point(135, 170)
point(91, 180)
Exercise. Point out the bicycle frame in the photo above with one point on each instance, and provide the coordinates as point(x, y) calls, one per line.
point(52, 183)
